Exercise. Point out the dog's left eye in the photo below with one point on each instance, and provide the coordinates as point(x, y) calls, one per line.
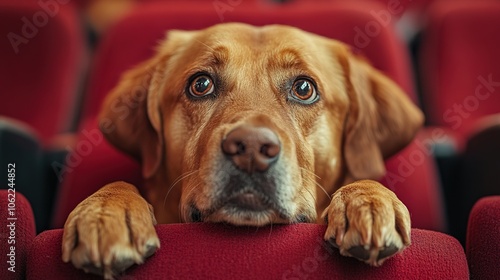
point(201, 86)
point(304, 91)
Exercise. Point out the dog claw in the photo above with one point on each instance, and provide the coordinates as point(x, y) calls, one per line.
point(364, 254)
point(387, 252)
point(359, 252)
point(91, 268)
point(333, 242)
point(150, 250)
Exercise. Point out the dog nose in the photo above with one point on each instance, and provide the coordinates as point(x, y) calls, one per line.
point(252, 148)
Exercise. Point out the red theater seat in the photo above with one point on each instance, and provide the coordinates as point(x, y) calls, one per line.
point(483, 243)
point(459, 63)
point(16, 234)
point(40, 61)
point(461, 80)
point(412, 175)
point(214, 251)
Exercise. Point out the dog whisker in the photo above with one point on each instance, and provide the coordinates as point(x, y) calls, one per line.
point(323, 189)
point(312, 195)
point(310, 172)
point(182, 207)
point(316, 182)
point(178, 180)
point(270, 230)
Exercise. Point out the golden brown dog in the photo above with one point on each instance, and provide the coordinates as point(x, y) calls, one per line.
point(249, 126)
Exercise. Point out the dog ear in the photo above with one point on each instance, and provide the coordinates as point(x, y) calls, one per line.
point(381, 119)
point(131, 117)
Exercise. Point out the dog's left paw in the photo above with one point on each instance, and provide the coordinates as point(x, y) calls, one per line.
point(367, 221)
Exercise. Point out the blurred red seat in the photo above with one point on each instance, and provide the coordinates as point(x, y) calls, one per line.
point(133, 40)
point(41, 52)
point(460, 73)
point(460, 64)
point(483, 243)
point(477, 174)
point(17, 233)
point(41, 55)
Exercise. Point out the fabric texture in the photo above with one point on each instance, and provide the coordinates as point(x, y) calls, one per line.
point(17, 231)
point(459, 63)
point(40, 64)
point(216, 251)
point(483, 239)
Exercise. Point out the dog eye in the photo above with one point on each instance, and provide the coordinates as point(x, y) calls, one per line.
point(304, 90)
point(201, 86)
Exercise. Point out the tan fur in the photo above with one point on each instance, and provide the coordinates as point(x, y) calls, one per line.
point(361, 118)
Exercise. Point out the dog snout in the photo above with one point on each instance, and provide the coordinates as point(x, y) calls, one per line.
point(252, 149)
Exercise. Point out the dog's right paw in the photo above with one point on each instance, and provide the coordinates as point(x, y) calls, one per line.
point(110, 231)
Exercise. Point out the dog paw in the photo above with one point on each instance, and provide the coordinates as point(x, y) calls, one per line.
point(368, 222)
point(110, 231)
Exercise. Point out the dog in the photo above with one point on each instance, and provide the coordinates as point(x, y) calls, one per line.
point(249, 126)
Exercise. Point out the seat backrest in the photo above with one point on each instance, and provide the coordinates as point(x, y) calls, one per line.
point(460, 63)
point(412, 175)
point(133, 40)
point(278, 252)
point(483, 243)
point(40, 57)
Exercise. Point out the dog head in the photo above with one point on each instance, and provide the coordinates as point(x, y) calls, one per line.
point(256, 125)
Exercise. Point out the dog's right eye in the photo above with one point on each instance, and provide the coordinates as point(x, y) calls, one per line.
point(304, 91)
point(201, 86)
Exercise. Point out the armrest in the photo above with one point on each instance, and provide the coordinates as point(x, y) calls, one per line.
point(217, 251)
